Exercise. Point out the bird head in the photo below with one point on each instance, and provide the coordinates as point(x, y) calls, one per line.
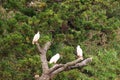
point(61, 56)
point(58, 54)
point(78, 46)
point(38, 32)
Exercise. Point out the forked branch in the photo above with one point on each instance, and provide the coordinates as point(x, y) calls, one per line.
point(43, 58)
point(49, 73)
point(71, 65)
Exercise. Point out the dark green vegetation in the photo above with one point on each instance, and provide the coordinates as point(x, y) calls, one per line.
point(93, 24)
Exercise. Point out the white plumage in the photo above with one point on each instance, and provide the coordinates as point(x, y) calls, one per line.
point(36, 37)
point(79, 52)
point(55, 58)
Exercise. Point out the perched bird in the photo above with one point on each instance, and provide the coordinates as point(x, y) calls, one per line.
point(36, 37)
point(79, 52)
point(55, 58)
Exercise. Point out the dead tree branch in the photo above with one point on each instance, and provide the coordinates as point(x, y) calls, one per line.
point(39, 48)
point(81, 64)
point(71, 65)
point(47, 46)
point(49, 73)
point(55, 67)
point(43, 58)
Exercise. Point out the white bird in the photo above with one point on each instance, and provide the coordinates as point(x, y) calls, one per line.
point(79, 52)
point(36, 37)
point(55, 58)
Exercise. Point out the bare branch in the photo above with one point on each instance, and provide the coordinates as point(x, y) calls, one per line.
point(44, 63)
point(39, 48)
point(65, 66)
point(43, 58)
point(47, 46)
point(57, 71)
point(71, 65)
point(81, 64)
point(55, 67)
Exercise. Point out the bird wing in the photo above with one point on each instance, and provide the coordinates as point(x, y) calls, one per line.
point(79, 52)
point(57, 58)
point(52, 59)
point(35, 38)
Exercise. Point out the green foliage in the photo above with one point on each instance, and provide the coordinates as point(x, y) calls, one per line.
point(45, 39)
point(70, 75)
point(105, 64)
point(93, 24)
point(67, 54)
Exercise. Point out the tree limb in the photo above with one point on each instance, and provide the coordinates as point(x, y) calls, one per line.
point(72, 62)
point(47, 46)
point(81, 64)
point(65, 66)
point(55, 67)
point(39, 48)
point(71, 65)
point(43, 58)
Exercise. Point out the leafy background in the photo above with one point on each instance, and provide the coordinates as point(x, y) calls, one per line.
point(93, 24)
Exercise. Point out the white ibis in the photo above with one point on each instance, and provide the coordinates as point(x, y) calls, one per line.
point(55, 58)
point(36, 37)
point(79, 52)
